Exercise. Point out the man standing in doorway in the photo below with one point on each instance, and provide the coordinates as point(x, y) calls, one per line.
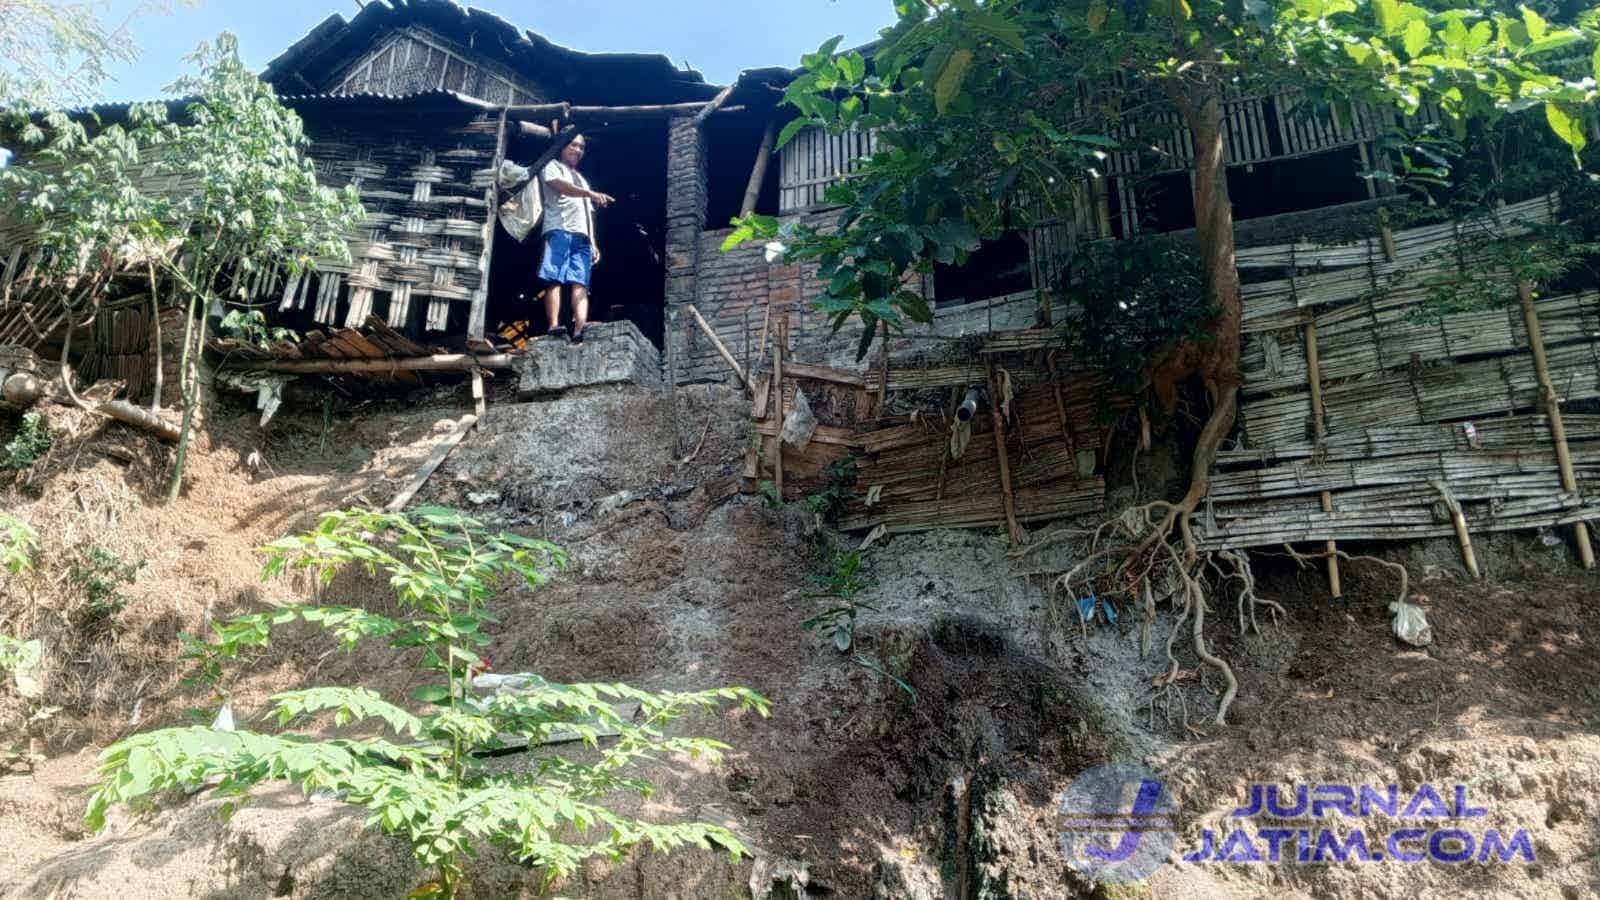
point(569, 246)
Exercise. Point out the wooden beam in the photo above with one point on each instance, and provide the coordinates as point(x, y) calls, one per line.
point(1552, 411)
point(480, 297)
point(439, 362)
point(824, 373)
point(758, 173)
point(434, 460)
point(530, 130)
point(717, 343)
point(715, 104)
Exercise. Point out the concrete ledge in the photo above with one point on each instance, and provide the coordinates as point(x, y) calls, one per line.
point(611, 353)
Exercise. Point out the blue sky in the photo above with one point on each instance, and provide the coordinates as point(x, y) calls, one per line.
point(717, 37)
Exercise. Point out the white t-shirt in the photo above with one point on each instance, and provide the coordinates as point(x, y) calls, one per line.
point(563, 213)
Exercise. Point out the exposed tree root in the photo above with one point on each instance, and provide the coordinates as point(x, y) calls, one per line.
point(1148, 555)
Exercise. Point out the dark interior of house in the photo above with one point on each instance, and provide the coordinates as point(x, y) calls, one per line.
point(629, 281)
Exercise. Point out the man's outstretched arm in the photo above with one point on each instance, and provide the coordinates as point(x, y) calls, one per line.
point(568, 189)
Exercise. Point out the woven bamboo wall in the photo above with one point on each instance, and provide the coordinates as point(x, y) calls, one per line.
point(419, 251)
point(1414, 406)
point(410, 60)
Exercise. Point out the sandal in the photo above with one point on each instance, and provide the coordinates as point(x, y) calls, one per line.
point(559, 331)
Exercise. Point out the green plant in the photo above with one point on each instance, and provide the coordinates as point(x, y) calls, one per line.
point(834, 497)
point(769, 493)
point(843, 583)
point(31, 441)
point(1130, 301)
point(250, 202)
point(427, 780)
point(21, 660)
point(18, 543)
point(101, 575)
point(250, 326)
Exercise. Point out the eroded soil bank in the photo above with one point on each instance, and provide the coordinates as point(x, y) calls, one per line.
point(926, 762)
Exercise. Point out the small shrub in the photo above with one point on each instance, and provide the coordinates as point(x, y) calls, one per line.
point(843, 582)
point(18, 543)
point(101, 575)
point(425, 779)
point(250, 326)
point(21, 661)
point(830, 502)
point(31, 441)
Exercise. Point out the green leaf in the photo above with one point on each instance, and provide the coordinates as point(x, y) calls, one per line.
point(1391, 21)
point(1594, 62)
point(794, 127)
point(1555, 41)
point(950, 79)
point(1534, 23)
point(1567, 122)
point(1097, 15)
point(1001, 29)
point(1416, 37)
point(431, 693)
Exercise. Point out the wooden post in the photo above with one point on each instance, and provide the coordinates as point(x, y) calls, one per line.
point(1067, 431)
point(1552, 411)
point(1005, 464)
point(758, 173)
point(716, 342)
point(480, 404)
point(1319, 429)
point(491, 196)
point(1460, 521)
point(782, 338)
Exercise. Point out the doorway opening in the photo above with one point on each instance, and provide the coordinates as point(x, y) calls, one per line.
point(629, 281)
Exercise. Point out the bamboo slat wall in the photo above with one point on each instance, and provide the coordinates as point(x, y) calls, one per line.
point(412, 60)
point(1413, 406)
point(423, 237)
point(816, 159)
point(904, 462)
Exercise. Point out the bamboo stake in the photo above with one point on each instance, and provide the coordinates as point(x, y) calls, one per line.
point(1552, 409)
point(1005, 465)
point(758, 173)
point(1319, 429)
point(1061, 410)
point(777, 403)
point(716, 342)
point(1460, 522)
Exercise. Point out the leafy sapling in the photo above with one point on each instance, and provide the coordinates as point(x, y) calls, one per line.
point(842, 584)
point(421, 774)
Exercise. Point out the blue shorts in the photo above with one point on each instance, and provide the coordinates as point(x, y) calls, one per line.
point(568, 256)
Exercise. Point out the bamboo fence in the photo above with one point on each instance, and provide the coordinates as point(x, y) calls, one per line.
point(1050, 433)
point(1400, 421)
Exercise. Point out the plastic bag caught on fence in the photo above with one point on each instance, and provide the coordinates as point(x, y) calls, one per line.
point(800, 424)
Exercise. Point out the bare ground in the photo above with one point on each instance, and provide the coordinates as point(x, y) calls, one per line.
point(947, 789)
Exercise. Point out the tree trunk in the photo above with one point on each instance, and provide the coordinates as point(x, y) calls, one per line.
point(1216, 361)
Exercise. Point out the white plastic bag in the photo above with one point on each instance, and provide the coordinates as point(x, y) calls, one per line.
point(521, 214)
point(1411, 624)
point(800, 424)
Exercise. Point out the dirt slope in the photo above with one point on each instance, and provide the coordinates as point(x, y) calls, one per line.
point(946, 786)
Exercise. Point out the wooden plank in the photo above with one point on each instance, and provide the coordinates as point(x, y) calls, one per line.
point(823, 373)
point(434, 460)
point(825, 434)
